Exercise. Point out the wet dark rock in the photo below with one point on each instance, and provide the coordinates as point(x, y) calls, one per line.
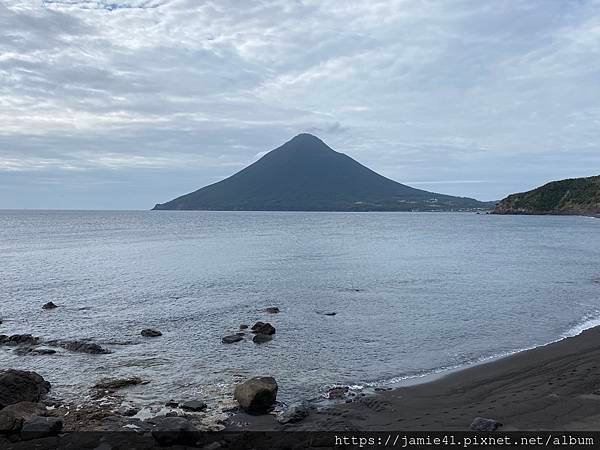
point(194, 405)
point(19, 339)
point(112, 384)
point(41, 427)
point(13, 416)
point(295, 414)
point(257, 395)
point(80, 347)
point(240, 333)
point(173, 431)
point(261, 338)
point(21, 386)
point(243, 326)
point(149, 332)
point(9, 424)
point(264, 328)
point(171, 414)
point(483, 424)
point(49, 305)
point(329, 313)
point(337, 392)
point(128, 411)
point(172, 404)
point(34, 351)
point(272, 310)
point(231, 339)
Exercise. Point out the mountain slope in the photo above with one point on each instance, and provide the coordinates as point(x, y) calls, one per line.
point(571, 196)
point(304, 174)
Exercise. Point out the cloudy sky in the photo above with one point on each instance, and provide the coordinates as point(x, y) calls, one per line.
point(124, 104)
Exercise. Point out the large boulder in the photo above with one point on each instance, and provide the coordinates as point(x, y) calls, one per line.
point(263, 328)
point(174, 430)
point(257, 395)
point(21, 386)
point(41, 427)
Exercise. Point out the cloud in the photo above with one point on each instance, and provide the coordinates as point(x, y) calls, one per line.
point(162, 96)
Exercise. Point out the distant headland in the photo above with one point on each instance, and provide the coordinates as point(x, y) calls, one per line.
point(305, 174)
point(580, 196)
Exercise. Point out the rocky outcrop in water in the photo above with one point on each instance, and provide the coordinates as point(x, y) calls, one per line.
point(21, 386)
point(261, 338)
point(257, 395)
point(80, 347)
point(19, 339)
point(231, 339)
point(272, 310)
point(49, 305)
point(149, 332)
point(194, 405)
point(263, 328)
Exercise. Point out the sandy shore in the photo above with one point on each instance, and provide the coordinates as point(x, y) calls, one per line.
point(554, 387)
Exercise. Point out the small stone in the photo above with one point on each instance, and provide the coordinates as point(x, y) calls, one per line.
point(337, 392)
point(483, 424)
point(272, 310)
point(231, 339)
point(117, 383)
point(128, 411)
point(261, 338)
point(149, 332)
point(295, 414)
point(49, 305)
point(194, 405)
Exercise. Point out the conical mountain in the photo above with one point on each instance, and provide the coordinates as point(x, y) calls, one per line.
point(305, 174)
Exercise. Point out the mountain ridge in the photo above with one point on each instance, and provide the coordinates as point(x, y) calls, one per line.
point(305, 174)
point(574, 196)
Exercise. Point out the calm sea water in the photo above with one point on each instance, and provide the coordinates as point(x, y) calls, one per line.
point(414, 293)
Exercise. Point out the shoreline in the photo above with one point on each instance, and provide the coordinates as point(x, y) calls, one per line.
point(555, 386)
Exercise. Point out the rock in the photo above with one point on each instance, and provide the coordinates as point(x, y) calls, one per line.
point(194, 405)
point(261, 338)
point(295, 414)
point(40, 427)
point(212, 446)
point(172, 404)
point(13, 416)
point(231, 339)
point(19, 339)
point(174, 430)
point(330, 313)
point(257, 395)
point(482, 424)
point(337, 392)
point(149, 332)
point(49, 305)
point(9, 424)
point(34, 351)
point(80, 347)
point(21, 386)
point(113, 384)
point(264, 328)
point(128, 411)
point(272, 310)
point(240, 333)
point(243, 326)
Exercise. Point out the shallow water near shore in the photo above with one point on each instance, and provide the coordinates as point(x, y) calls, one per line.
point(414, 293)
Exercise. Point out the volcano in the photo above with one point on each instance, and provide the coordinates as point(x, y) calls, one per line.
point(305, 174)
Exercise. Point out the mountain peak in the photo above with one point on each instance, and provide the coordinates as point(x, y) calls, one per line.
point(305, 141)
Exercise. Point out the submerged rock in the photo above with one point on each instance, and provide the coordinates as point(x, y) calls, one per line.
point(243, 326)
point(272, 310)
point(40, 427)
point(34, 351)
point(257, 395)
point(21, 386)
point(149, 332)
point(231, 339)
point(483, 424)
point(80, 347)
point(19, 339)
point(263, 328)
point(118, 383)
point(49, 305)
point(261, 338)
point(194, 405)
point(337, 392)
point(172, 404)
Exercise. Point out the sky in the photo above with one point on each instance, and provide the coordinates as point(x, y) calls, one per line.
point(124, 104)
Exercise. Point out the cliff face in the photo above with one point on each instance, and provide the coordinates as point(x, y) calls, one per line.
point(571, 196)
point(304, 174)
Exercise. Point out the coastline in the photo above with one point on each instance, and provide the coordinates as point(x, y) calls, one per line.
point(551, 387)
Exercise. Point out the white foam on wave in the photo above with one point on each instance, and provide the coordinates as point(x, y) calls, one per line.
point(590, 320)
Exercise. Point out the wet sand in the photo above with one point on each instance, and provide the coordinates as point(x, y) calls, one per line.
point(554, 387)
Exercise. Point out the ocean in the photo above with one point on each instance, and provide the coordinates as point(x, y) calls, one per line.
point(414, 294)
